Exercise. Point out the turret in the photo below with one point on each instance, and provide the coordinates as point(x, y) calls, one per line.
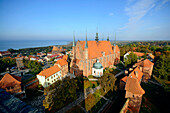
point(108, 38)
point(86, 48)
point(74, 47)
point(97, 38)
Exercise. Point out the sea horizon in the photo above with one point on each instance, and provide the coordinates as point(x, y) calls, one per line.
point(22, 44)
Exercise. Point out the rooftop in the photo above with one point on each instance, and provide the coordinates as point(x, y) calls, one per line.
point(50, 71)
point(133, 86)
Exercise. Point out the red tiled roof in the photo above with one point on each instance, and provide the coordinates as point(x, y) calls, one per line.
point(140, 74)
point(8, 79)
point(65, 57)
point(137, 53)
point(50, 71)
point(5, 52)
point(53, 55)
point(95, 49)
point(152, 56)
point(55, 48)
point(133, 86)
point(61, 62)
point(144, 63)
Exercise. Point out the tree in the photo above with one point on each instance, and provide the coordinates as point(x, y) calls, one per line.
point(34, 67)
point(144, 56)
point(131, 59)
point(107, 81)
point(62, 93)
point(162, 66)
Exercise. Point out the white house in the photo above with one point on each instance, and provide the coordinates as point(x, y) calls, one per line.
point(49, 76)
point(97, 69)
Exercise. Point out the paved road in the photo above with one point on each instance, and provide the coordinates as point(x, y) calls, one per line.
point(119, 73)
point(153, 82)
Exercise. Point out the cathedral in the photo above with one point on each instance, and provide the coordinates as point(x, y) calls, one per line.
point(90, 56)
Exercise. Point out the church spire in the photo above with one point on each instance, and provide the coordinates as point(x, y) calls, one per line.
point(108, 37)
point(86, 46)
point(97, 38)
point(74, 39)
point(115, 39)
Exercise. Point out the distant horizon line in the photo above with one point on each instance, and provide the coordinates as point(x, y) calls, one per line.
point(83, 40)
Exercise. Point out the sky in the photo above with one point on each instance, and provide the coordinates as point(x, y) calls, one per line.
point(59, 19)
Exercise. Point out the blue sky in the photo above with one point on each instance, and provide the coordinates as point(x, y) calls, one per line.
point(57, 19)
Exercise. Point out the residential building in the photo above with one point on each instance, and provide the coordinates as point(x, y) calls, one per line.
point(63, 65)
point(57, 50)
point(12, 84)
point(85, 54)
point(19, 62)
point(134, 73)
point(49, 76)
point(146, 67)
point(139, 54)
point(5, 53)
point(134, 93)
point(10, 104)
point(150, 57)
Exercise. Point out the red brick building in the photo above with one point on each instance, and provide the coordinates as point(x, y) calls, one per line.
point(63, 65)
point(85, 54)
point(12, 84)
point(146, 68)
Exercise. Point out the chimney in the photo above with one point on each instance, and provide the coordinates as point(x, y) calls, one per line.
point(140, 68)
point(134, 66)
point(126, 72)
point(138, 60)
point(136, 73)
point(130, 69)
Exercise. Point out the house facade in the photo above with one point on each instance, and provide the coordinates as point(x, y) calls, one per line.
point(12, 84)
point(135, 72)
point(86, 53)
point(49, 76)
point(63, 65)
point(146, 67)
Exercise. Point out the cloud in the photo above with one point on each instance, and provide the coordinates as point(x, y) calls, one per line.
point(162, 4)
point(110, 14)
point(137, 9)
point(153, 28)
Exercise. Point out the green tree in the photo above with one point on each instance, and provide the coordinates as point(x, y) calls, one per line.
point(162, 67)
point(144, 56)
point(62, 93)
point(131, 59)
point(107, 81)
point(34, 67)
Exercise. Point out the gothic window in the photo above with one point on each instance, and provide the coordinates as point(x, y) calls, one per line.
point(94, 71)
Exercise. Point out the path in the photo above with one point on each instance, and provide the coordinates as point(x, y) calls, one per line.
point(153, 82)
point(119, 73)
